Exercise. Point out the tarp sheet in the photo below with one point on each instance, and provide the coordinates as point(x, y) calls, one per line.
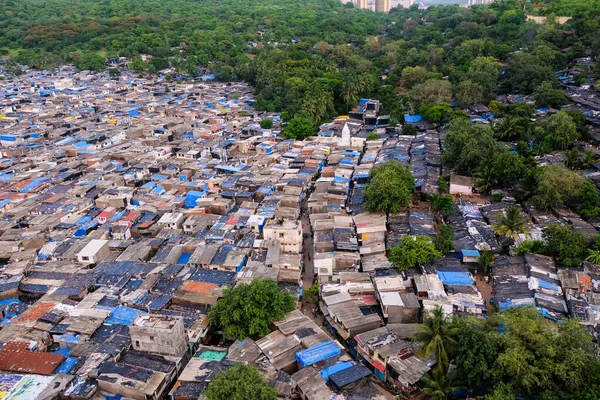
point(317, 353)
point(455, 278)
point(327, 372)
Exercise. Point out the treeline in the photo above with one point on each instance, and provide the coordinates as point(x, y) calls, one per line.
point(314, 57)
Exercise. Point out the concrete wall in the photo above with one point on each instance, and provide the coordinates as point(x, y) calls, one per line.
point(158, 340)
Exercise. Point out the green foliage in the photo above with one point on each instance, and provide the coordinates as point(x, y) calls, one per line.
point(566, 245)
point(412, 76)
point(414, 250)
point(373, 136)
point(113, 72)
point(531, 247)
point(440, 385)
point(511, 223)
point(299, 128)
point(266, 123)
point(486, 261)
point(312, 294)
point(526, 72)
point(436, 114)
point(557, 185)
point(443, 203)
point(593, 256)
point(390, 188)
point(444, 241)
point(432, 91)
point(240, 382)
point(438, 335)
point(559, 129)
point(468, 146)
point(443, 185)
point(547, 96)
point(247, 310)
point(409, 129)
point(519, 354)
point(90, 61)
point(588, 201)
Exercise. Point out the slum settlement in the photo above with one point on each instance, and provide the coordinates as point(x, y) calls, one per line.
point(129, 205)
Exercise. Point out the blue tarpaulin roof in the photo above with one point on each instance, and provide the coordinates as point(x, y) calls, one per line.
point(327, 372)
point(455, 278)
point(412, 118)
point(317, 353)
point(123, 315)
point(470, 253)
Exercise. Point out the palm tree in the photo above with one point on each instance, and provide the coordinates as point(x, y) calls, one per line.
point(511, 224)
point(438, 335)
point(486, 261)
point(593, 256)
point(440, 384)
point(485, 178)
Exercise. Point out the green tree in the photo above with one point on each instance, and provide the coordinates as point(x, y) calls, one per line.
point(567, 246)
point(547, 96)
point(266, 123)
point(486, 261)
point(312, 294)
point(409, 129)
point(511, 223)
point(299, 128)
point(443, 203)
point(588, 202)
point(432, 91)
point(469, 92)
point(593, 256)
point(444, 240)
point(443, 185)
point(413, 251)
point(390, 188)
point(436, 113)
point(519, 354)
point(247, 310)
point(438, 335)
point(372, 136)
point(484, 72)
point(113, 72)
point(240, 382)
point(468, 146)
point(412, 76)
point(440, 385)
point(561, 130)
point(526, 72)
point(556, 185)
point(90, 61)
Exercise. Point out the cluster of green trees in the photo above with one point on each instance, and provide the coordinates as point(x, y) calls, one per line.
point(318, 57)
point(481, 151)
point(513, 354)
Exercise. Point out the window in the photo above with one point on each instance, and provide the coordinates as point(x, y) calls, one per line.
point(137, 344)
point(85, 258)
point(152, 338)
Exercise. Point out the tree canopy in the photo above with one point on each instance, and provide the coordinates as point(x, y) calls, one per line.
point(413, 251)
point(519, 354)
point(247, 310)
point(390, 188)
point(240, 382)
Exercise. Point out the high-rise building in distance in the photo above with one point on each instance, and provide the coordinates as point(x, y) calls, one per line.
point(382, 5)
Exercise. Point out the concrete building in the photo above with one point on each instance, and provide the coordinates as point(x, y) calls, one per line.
point(95, 251)
point(287, 233)
point(382, 5)
point(461, 185)
point(159, 335)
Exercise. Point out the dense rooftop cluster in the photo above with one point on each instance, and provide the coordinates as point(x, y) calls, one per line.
point(130, 205)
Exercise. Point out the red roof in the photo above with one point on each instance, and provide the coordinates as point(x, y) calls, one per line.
point(17, 358)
